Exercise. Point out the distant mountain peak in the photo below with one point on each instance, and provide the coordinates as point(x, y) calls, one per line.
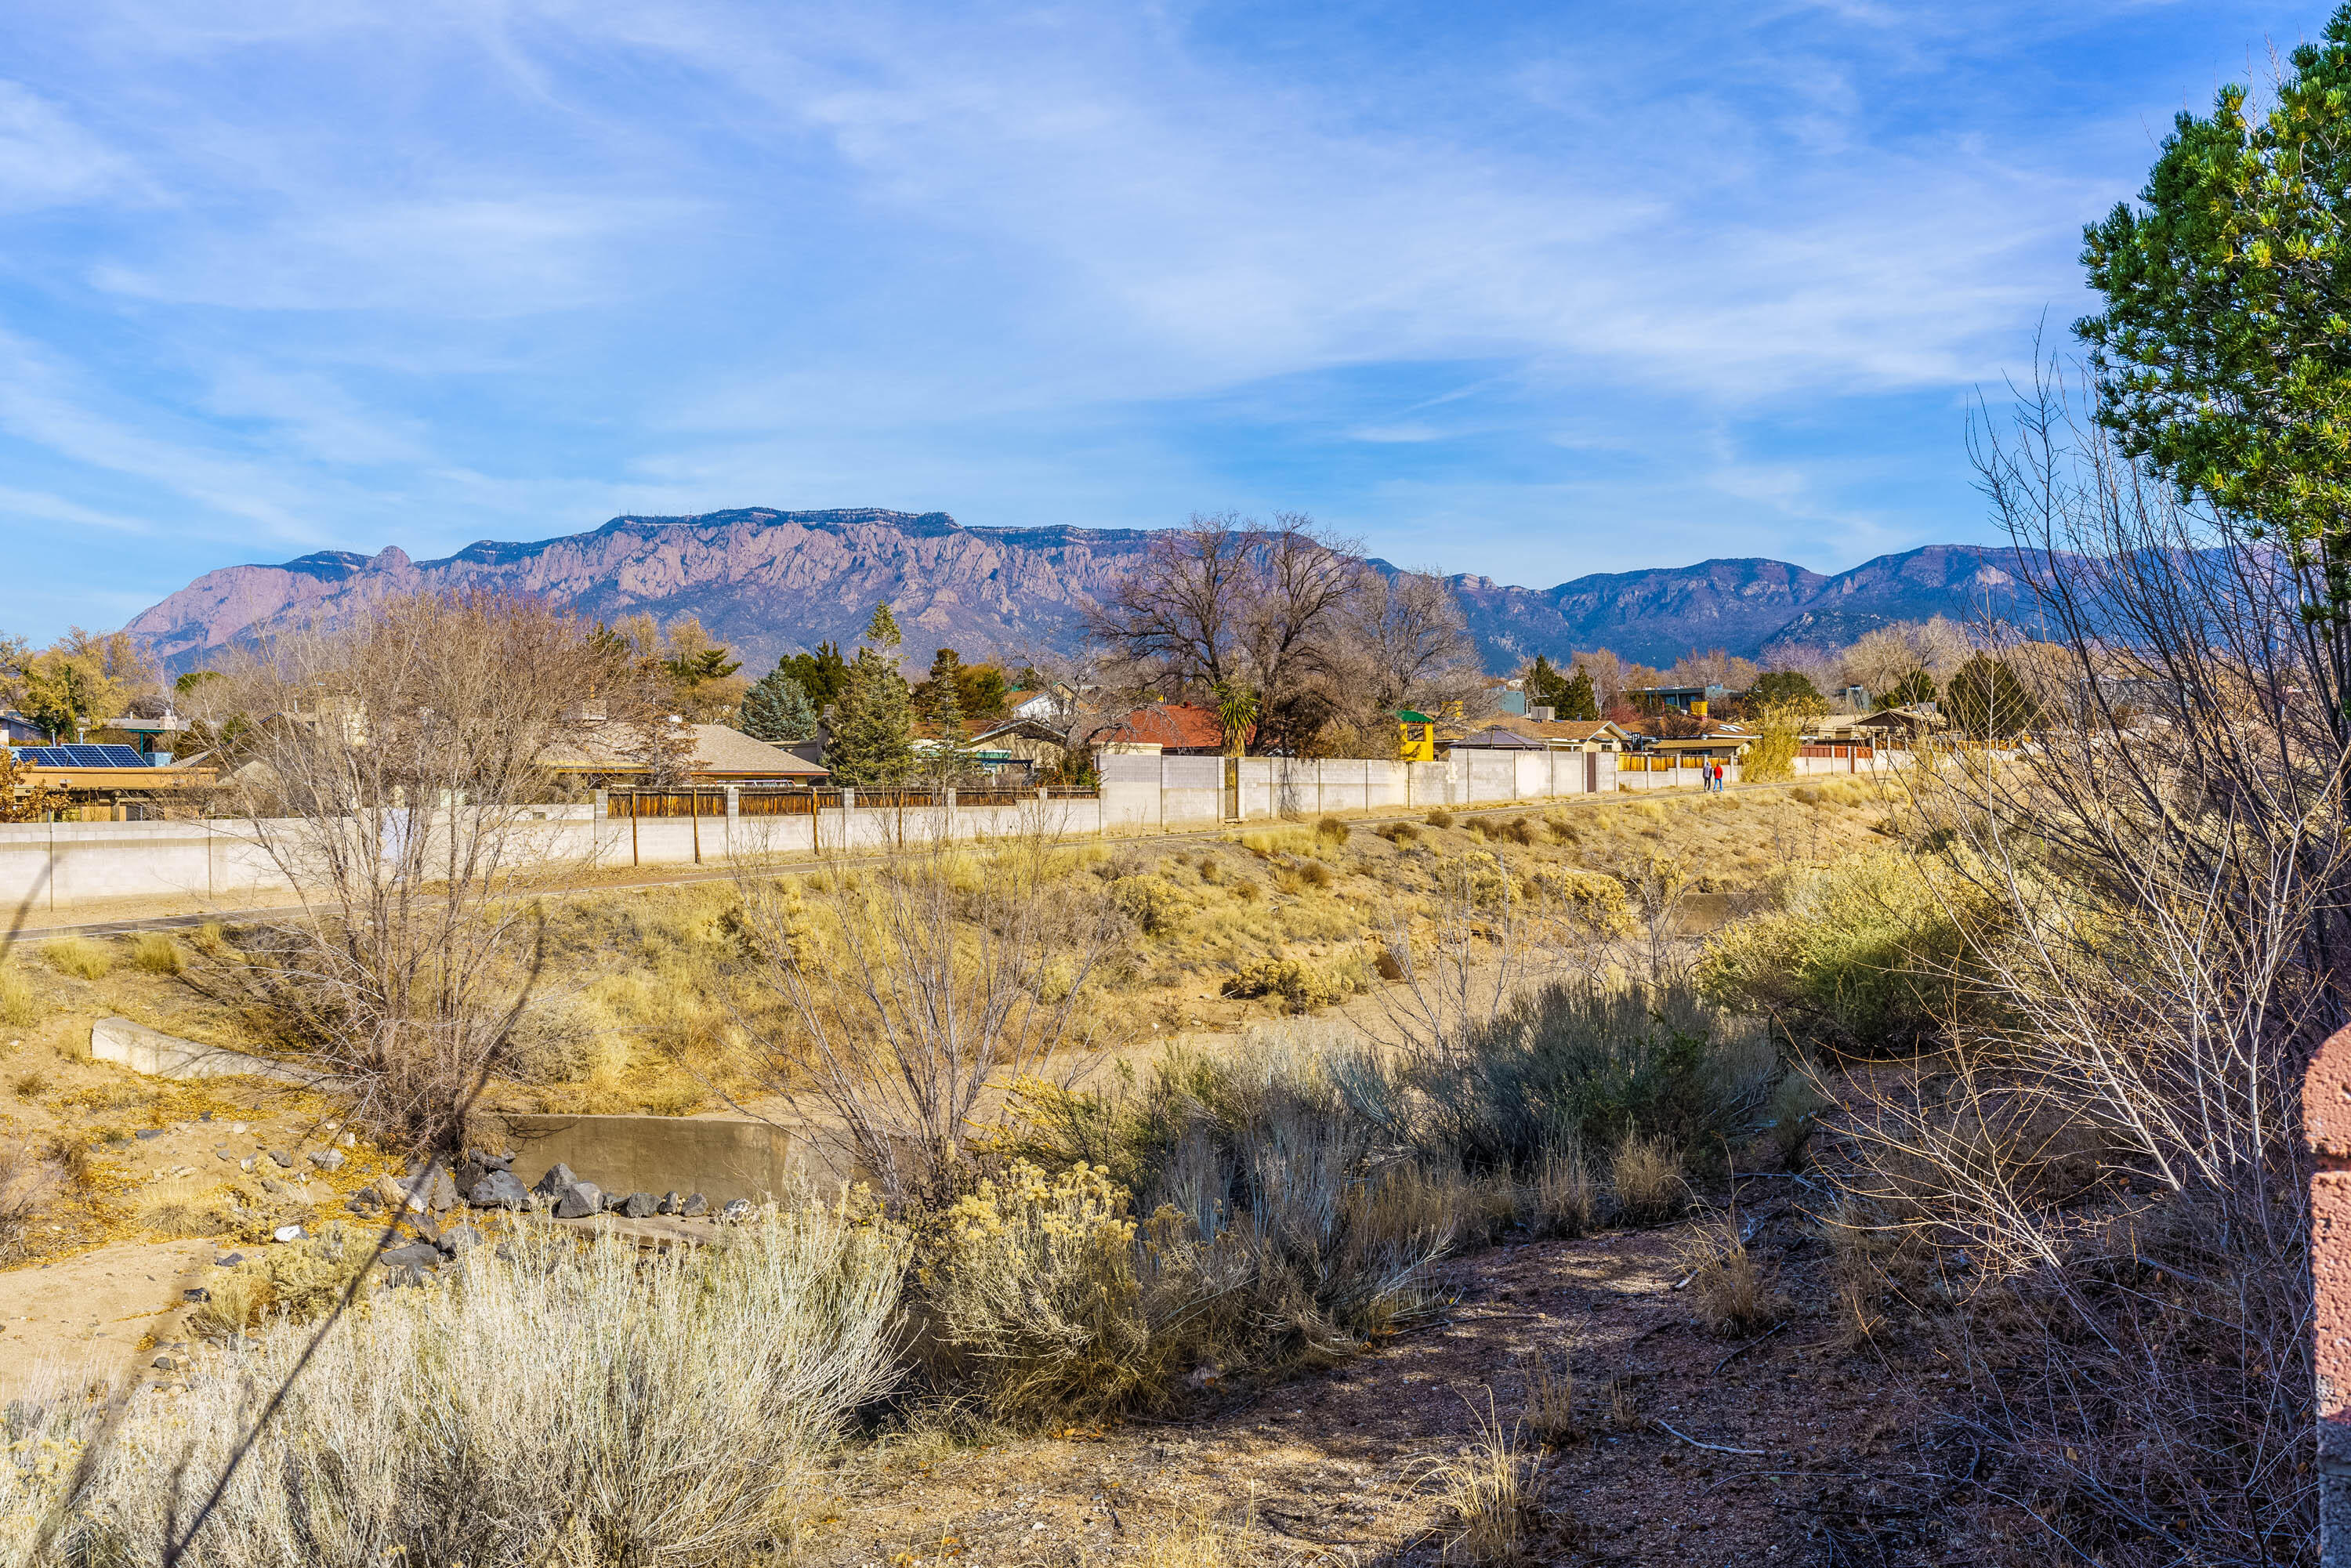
point(769, 582)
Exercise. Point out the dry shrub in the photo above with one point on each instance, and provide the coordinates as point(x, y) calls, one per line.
point(1331, 830)
point(156, 954)
point(1729, 1291)
point(1317, 875)
point(79, 957)
point(1518, 830)
point(1302, 986)
point(1565, 1198)
point(1400, 833)
point(1441, 819)
point(1156, 905)
point(292, 1283)
point(1645, 1175)
point(29, 1085)
point(18, 1006)
point(1035, 1296)
point(569, 1404)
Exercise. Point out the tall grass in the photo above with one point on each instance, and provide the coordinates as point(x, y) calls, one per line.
point(579, 1404)
point(18, 1006)
point(79, 957)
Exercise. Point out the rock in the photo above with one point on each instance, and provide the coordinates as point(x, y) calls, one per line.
point(639, 1205)
point(460, 1239)
point(328, 1159)
point(579, 1200)
point(226, 1153)
point(164, 1364)
point(150, 1132)
point(612, 1201)
point(285, 1233)
point(441, 1192)
point(670, 1203)
point(416, 1254)
point(230, 1261)
point(498, 1189)
point(275, 1187)
point(737, 1211)
point(237, 1126)
point(364, 1203)
point(281, 1159)
point(349, 1140)
point(195, 1293)
point(559, 1176)
point(245, 1163)
point(695, 1205)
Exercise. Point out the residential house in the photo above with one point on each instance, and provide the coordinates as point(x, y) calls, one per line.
point(110, 783)
point(1161, 729)
point(708, 755)
point(15, 729)
point(1011, 753)
point(1695, 700)
point(1511, 734)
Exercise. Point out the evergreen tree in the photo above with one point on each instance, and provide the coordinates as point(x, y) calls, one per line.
point(951, 762)
point(1577, 699)
point(1544, 685)
point(882, 631)
point(872, 726)
point(821, 674)
point(1986, 702)
point(943, 685)
point(1789, 689)
point(1912, 689)
point(776, 709)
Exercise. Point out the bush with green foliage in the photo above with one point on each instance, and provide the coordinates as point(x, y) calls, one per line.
point(776, 709)
point(1858, 957)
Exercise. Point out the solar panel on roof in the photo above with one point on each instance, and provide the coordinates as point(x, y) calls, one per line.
point(82, 756)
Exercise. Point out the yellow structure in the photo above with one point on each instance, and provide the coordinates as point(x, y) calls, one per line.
point(1415, 736)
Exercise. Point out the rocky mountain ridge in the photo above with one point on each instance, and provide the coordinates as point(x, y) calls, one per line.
point(770, 582)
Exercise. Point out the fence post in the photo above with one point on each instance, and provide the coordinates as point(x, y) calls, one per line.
point(2326, 1122)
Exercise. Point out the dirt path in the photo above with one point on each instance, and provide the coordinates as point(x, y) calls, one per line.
point(98, 1317)
point(1342, 1466)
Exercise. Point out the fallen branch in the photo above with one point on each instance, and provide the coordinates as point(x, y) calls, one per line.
point(1750, 1344)
point(1710, 1447)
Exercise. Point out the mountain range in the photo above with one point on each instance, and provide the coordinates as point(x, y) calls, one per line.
point(767, 583)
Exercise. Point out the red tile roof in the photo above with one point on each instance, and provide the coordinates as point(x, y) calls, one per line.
point(1178, 727)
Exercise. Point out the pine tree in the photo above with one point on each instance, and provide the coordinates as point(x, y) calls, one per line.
point(821, 674)
point(951, 762)
point(1917, 686)
point(872, 726)
point(1577, 699)
point(882, 631)
point(776, 709)
point(944, 681)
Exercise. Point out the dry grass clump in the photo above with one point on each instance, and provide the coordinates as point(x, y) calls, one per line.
point(1729, 1291)
point(1272, 841)
point(1493, 1493)
point(566, 1403)
point(1644, 1175)
point(156, 954)
point(27, 1179)
point(18, 1006)
point(1566, 1200)
point(1549, 1410)
point(79, 957)
point(1331, 830)
point(1440, 818)
point(1399, 833)
point(187, 1207)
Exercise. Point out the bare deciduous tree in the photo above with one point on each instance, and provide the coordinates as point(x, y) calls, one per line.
point(1227, 605)
point(393, 776)
point(922, 989)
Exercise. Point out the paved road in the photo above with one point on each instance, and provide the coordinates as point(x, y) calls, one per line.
point(706, 874)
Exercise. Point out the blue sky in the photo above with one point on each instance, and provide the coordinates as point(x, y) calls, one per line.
point(1528, 290)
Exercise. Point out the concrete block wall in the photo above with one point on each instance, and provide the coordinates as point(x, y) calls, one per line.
point(45, 864)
